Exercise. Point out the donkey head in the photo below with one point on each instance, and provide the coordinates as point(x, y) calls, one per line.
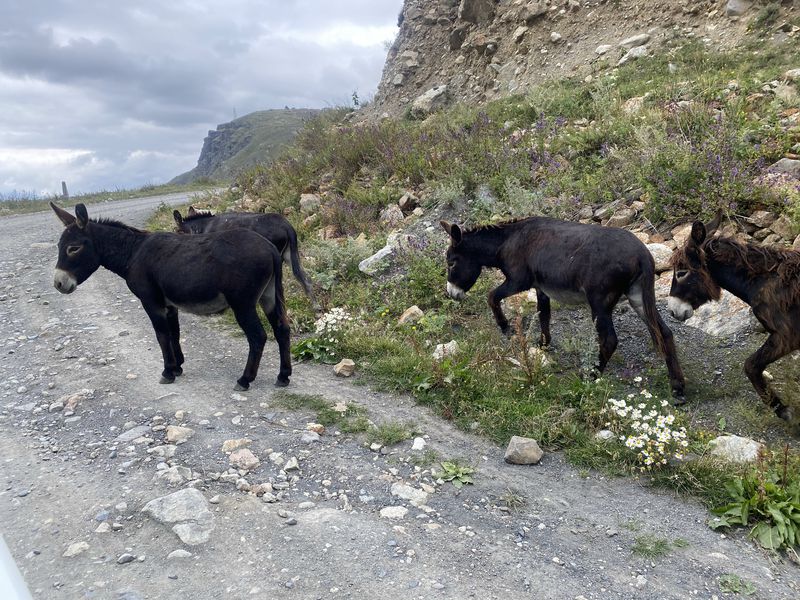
point(180, 225)
point(191, 224)
point(692, 284)
point(463, 267)
point(77, 256)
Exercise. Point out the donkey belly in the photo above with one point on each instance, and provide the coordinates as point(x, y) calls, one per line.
point(202, 307)
point(563, 296)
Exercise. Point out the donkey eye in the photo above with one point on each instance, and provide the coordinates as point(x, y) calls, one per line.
point(682, 274)
point(73, 250)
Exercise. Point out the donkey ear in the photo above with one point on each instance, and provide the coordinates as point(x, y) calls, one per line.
point(714, 223)
point(178, 218)
point(66, 218)
point(191, 212)
point(82, 216)
point(453, 230)
point(699, 232)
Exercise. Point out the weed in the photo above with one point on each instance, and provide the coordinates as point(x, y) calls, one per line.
point(731, 583)
point(513, 500)
point(389, 434)
point(456, 473)
point(349, 418)
point(650, 546)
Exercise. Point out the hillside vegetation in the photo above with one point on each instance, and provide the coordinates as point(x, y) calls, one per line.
point(670, 138)
point(245, 142)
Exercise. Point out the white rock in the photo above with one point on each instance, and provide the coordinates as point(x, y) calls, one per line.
point(604, 49)
point(411, 315)
point(416, 496)
point(444, 350)
point(180, 553)
point(736, 449)
point(75, 549)
point(231, 445)
point(661, 255)
point(635, 41)
point(178, 435)
point(419, 444)
point(633, 54)
point(189, 510)
point(243, 458)
point(432, 100)
point(344, 368)
point(394, 512)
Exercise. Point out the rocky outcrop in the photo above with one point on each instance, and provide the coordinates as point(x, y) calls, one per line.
point(485, 49)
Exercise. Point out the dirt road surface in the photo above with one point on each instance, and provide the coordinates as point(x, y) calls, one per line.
point(83, 427)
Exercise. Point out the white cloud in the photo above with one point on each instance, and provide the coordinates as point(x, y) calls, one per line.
point(109, 95)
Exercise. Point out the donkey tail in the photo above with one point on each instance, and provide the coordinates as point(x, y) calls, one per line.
point(297, 269)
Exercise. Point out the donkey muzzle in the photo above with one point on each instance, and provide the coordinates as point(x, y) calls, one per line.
point(64, 281)
point(455, 292)
point(679, 309)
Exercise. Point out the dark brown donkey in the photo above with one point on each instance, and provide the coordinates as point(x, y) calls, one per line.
point(272, 226)
point(199, 274)
point(570, 262)
point(768, 279)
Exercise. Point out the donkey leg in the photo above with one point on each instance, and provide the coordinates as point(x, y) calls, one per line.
point(280, 328)
point(497, 295)
point(158, 317)
point(543, 305)
point(606, 337)
point(662, 338)
point(175, 338)
point(754, 366)
point(247, 318)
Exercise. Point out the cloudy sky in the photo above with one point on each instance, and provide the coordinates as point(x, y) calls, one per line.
point(117, 94)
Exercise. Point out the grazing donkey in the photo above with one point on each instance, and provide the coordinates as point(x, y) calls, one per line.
point(570, 262)
point(768, 279)
point(272, 226)
point(199, 274)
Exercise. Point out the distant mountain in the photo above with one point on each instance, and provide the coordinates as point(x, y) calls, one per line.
point(245, 142)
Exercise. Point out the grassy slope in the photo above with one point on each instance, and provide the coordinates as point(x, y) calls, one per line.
point(553, 151)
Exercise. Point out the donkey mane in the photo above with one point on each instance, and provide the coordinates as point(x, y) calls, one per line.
point(198, 214)
point(496, 226)
point(113, 223)
point(756, 260)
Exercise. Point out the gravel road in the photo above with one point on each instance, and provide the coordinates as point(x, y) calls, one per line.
point(83, 435)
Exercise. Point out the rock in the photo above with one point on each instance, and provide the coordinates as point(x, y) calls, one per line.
point(633, 54)
point(761, 218)
point(783, 226)
point(681, 233)
point(391, 216)
point(419, 444)
point(175, 475)
point(633, 105)
point(411, 315)
point(416, 496)
point(792, 75)
point(789, 166)
point(189, 510)
point(229, 446)
point(444, 350)
point(125, 559)
point(132, 434)
point(603, 49)
point(376, 262)
point(180, 553)
point(398, 79)
point(621, 218)
point(316, 428)
point(736, 8)
point(661, 255)
point(103, 528)
point(393, 512)
point(635, 41)
point(734, 448)
point(344, 368)
point(479, 12)
point(243, 458)
point(523, 451)
point(309, 437)
point(519, 34)
point(532, 11)
point(604, 435)
point(70, 401)
point(429, 102)
point(555, 37)
point(309, 203)
point(724, 318)
point(408, 202)
point(178, 435)
point(291, 464)
point(75, 548)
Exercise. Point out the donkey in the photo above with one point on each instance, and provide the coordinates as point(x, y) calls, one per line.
point(202, 275)
point(272, 226)
point(766, 278)
point(570, 262)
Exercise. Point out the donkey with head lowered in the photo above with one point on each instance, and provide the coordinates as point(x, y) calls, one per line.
point(272, 226)
point(766, 278)
point(570, 262)
point(198, 274)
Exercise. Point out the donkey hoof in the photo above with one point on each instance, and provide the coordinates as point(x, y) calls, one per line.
point(178, 371)
point(166, 380)
point(281, 381)
point(241, 387)
point(678, 399)
point(785, 412)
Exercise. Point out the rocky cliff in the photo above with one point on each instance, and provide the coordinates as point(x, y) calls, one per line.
point(244, 142)
point(478, 50)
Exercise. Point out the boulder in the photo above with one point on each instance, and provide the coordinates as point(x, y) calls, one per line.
point(188, 510)
point(635, 41)
point(789, 166)
point(761, 218)
point(633, 54)
point(736, 8)
point(431, 101)
point(734, 448)
point(479, 12)
point(243, 458)
point(661, 255)
point(532, 11)
point(309, 203)
point(523, 451)
point(724, 318)
point(621, 218)
point(783, 226)
point(391, 216)
point(344, 368)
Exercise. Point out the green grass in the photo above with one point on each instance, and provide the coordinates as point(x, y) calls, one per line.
point(351, 420)
point(390, 434)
